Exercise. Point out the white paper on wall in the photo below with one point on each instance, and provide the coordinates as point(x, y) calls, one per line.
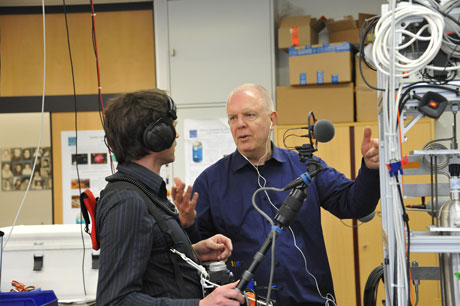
point(206, 141)
point(88, 149)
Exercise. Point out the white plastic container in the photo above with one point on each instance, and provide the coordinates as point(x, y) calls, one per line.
point(50, 257)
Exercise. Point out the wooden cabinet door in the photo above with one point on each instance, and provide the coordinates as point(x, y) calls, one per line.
point(125, 47)
point(337, 233)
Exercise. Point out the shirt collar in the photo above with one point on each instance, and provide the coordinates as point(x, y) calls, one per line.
point(149, 178)
point(238, 161)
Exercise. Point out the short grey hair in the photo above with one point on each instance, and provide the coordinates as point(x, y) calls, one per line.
point(264, 94)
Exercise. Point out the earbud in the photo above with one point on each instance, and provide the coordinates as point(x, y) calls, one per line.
point(271, 125)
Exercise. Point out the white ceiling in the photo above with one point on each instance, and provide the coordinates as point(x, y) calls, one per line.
point(60, 2)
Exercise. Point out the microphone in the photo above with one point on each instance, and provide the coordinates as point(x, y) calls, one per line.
point(291, 206)
point(322, 131)
point(297, 196)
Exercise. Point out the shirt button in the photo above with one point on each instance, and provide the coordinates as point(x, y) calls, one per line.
point(278, 264)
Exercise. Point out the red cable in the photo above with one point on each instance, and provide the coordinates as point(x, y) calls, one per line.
point(99, 88)
point(97, 58)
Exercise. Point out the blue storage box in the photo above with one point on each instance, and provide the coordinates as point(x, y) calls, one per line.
point(29, 298)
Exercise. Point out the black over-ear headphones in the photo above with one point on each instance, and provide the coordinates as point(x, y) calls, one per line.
point(160, 135)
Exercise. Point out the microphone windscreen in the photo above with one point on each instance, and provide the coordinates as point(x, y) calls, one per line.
point(323, 130)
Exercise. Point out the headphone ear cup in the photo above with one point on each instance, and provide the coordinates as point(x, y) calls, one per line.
point(159, 135)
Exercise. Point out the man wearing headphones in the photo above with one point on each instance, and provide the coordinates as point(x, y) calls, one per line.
point(137, 227)
point(223, 192)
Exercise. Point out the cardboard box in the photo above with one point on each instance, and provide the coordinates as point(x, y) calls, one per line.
point(369, 74)
point(332, 102)
point(366, 105)
point(299, 30)
point(50, 257)
point(346, 29)
point(320, 64)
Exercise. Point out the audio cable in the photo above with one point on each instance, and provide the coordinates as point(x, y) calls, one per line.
point(371, 287)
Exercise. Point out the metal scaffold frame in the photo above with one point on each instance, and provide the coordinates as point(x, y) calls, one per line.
point(396, 239)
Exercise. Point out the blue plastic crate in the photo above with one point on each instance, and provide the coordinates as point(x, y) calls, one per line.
point(29, 298)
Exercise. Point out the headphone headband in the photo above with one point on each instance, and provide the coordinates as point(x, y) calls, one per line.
point(172, 108)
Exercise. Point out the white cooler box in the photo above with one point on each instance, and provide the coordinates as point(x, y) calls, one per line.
point(50, 257)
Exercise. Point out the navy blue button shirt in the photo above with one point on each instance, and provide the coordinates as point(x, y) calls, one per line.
point(135, 263)
point(224, 206)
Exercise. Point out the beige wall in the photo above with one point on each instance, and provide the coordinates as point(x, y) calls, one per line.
point(23, 130)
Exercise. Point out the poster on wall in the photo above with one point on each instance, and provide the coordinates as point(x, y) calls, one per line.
point(17, 165)
point(87, 150)
point(206, 141)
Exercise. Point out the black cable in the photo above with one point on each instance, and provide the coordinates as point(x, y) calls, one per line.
point(416, 295)
point(448, 63)
point(457, 38)
point(98, 75)
point(76, 139)
point(451, 54)
point(369, 24)
point(406, 221)
point(93, 37)
point(352, 226)
point(438, 10)
point(361, 57)
point(439, 79)
point(371, 287)
point(285, 137)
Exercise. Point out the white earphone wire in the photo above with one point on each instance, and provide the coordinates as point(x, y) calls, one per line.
point(329, 298)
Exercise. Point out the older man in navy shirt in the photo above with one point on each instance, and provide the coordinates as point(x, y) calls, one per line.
point(222, 196)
